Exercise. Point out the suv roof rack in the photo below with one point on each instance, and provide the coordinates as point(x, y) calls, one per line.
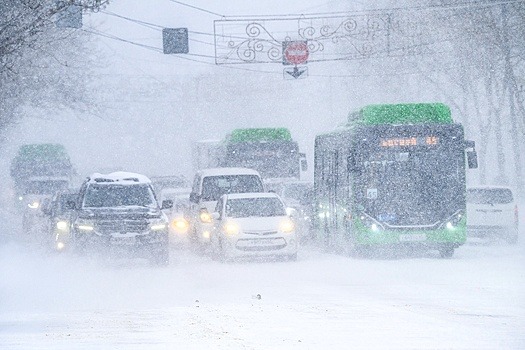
point(120, 177)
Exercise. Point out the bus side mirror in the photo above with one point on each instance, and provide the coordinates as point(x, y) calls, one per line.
point(472, 156)
point(472, 159)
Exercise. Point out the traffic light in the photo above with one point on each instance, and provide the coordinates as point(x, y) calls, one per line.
point(175, 40)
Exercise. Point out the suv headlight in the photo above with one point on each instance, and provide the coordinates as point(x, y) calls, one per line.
point(158, 225)
point(452, 222)
point(84, 225)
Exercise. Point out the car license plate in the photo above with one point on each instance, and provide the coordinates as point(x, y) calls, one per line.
point(123, 240)
point(417, 237)
point(261, 242)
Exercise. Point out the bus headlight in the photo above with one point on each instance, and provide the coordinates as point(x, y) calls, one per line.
point(452, 222)
point(370, 223)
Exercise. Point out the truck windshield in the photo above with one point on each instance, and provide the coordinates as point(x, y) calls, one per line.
point(277, 159)
point(213, 187)
point(102, 196)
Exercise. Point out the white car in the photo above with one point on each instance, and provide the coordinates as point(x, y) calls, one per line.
point(492, 211)
point(253, 224)
point(208, 186)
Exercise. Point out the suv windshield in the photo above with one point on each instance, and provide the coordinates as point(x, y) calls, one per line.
point(489, 196)
point(99, 196)
point(245, 207)
point(213, 187)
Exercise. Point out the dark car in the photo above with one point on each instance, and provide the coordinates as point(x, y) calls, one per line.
point(59, 219)
point(118, 213)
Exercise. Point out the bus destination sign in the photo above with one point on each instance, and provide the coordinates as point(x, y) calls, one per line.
point(409, 141)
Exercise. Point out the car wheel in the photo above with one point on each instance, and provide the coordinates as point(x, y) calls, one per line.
point(446, 252)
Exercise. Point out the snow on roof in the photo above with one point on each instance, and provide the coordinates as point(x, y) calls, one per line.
point(227, 171)
point(251, 195)
point(120, 177)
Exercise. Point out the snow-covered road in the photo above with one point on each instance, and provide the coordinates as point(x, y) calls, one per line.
point(474, 301)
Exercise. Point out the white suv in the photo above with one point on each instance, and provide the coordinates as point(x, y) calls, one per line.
point(492, 211)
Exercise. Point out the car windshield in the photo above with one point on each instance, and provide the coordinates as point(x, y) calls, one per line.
point(99, 196)
point(489, 196)
point(213, 187)
point(246, 207)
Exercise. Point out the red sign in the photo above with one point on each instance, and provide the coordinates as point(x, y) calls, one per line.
point(295, 52)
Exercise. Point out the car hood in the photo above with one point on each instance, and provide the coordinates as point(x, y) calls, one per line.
point(256, 223)
point(128, 212)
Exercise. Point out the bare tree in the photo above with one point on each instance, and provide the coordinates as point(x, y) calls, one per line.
point(40, 62)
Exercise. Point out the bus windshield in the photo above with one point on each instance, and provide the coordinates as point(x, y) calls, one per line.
point(402, 188)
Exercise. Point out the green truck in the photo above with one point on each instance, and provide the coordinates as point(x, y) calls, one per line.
point(271, 151)
point(41, 169)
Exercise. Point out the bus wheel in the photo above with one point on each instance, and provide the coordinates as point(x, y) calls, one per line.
point(446, 251)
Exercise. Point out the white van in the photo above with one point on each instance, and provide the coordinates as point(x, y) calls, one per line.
point(492, 211)
point(208, 186)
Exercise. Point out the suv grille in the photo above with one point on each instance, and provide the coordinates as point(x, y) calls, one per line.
point(121, 226)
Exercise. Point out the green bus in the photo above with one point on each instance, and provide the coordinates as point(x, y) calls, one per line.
point(270, 151)
point(393, 176)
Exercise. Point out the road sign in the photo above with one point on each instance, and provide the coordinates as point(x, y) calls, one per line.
point(295, 52)
point(295, 72)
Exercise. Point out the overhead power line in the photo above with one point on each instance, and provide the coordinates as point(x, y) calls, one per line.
point(197, 8)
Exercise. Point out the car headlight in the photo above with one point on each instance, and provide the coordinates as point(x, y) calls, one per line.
point(83, 225)
point(452, 222)
point(231, 228)
point(287, 226)
point(158, 225)
point(62, 225)
point(205, 217)
point(180, 225)
point(371, 223)
point(33, 205)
